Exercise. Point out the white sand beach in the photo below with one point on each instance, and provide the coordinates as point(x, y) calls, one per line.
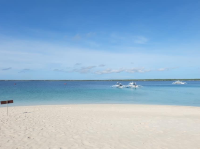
point(100, 126)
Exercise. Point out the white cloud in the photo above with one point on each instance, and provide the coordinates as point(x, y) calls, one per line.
point(107, 71)
point(166, 69)
point(83, 69)
point(131, 70)
point(162, 69)
point(139, 70)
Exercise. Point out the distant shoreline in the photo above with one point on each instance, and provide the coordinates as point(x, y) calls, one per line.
point(116, 80)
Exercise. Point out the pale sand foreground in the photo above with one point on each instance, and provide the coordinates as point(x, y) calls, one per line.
point(100, 127)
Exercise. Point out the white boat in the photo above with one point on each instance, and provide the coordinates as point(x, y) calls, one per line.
point(132, 85)
point(118, 85)
point(179, 82)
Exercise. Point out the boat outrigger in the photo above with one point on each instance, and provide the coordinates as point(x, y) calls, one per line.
point(179, 82)
point(118, 85)
point(132, 85)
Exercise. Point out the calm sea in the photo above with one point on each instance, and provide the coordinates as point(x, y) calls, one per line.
point(99, 92)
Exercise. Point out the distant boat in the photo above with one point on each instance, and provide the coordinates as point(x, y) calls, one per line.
point(179, 82)
point(119, 85)
point(132, 85)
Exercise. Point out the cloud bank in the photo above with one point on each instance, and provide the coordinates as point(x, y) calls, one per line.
point(75, 60)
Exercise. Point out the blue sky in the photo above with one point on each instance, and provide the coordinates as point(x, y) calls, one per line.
point(99, 39)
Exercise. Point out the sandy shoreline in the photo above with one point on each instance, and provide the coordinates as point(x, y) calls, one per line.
point(100, 126)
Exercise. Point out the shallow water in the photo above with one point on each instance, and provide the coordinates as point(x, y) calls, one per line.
point(99, 92)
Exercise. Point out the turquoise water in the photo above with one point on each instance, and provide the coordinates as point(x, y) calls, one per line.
point(97, 92)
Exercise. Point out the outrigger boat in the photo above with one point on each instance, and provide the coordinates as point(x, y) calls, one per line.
point(132, 85)
point(179, 82)
point(118, 85)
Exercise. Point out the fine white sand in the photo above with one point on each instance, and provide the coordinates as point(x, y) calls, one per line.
point(100, 127)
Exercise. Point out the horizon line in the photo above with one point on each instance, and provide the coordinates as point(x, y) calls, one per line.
point(108, 80)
